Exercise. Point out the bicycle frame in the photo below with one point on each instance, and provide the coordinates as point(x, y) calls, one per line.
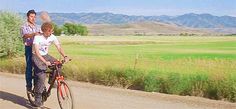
point(56, 75)
point(61, 84)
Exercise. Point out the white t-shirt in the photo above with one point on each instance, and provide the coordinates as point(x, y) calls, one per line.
point(44, 43)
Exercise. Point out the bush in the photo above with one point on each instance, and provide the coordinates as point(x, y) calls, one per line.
point(73, 29)
point(57, 30)
point(152, 82)
point(10, 38)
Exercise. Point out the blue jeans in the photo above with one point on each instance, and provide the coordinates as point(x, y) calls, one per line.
point(28, 70)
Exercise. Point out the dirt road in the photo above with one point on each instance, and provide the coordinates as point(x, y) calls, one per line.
point(89, 96)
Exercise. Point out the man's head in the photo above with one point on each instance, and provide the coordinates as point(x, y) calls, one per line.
point(47, 29)
point(31, 16)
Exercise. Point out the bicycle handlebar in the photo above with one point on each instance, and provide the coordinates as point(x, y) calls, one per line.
point(59, 62)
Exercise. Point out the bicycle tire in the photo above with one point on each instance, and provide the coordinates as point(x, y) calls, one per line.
point(64, 96)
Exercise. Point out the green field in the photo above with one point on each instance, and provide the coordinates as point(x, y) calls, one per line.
point(152, 48)
point(152, 52)
point(198, 66)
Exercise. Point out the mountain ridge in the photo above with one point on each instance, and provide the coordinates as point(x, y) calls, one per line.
point(189, 20)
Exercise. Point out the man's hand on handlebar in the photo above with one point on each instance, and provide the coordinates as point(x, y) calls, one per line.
point(66, 59)
point(48, 63)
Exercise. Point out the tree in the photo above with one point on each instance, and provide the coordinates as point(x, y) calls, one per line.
point(57, 30)
point(10, 38)
point(73, 29)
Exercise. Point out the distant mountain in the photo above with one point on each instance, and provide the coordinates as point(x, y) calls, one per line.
point(142, 28)
point(223, 24)
point(98, 18)
point(188, 20)
point(202, 21)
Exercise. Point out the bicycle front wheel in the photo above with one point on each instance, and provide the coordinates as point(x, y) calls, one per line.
point(64, 96)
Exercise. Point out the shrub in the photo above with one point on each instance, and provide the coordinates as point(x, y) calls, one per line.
point(152, 82)
point(73, 29)
point(10, 38)
point(57, 30)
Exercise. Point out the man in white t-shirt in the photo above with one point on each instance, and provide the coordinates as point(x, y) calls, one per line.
point(41, 59)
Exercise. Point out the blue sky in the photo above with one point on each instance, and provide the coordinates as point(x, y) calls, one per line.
point(130, 7)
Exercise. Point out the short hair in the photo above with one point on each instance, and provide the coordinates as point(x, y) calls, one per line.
point(46, 26)
point(30, 12)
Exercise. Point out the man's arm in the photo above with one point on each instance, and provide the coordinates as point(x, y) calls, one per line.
point(36, 47)
point(60, 50)
point(26, 34)
point(30, 35)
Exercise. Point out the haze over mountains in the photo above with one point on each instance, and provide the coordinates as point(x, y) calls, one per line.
point(186, 22)
point(189, 20)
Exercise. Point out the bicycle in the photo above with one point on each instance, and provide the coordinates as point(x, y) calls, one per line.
point(63, 91)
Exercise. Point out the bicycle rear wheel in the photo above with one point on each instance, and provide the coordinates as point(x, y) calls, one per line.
point(64, 96)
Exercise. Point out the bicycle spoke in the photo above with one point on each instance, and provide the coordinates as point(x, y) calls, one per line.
point(64, 96)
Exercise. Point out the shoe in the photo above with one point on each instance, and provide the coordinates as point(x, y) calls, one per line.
point(38, 100)
point(38, 104)
point(44, 95)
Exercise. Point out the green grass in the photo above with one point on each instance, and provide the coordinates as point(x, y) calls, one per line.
point(163, 48)
point(197, 66)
